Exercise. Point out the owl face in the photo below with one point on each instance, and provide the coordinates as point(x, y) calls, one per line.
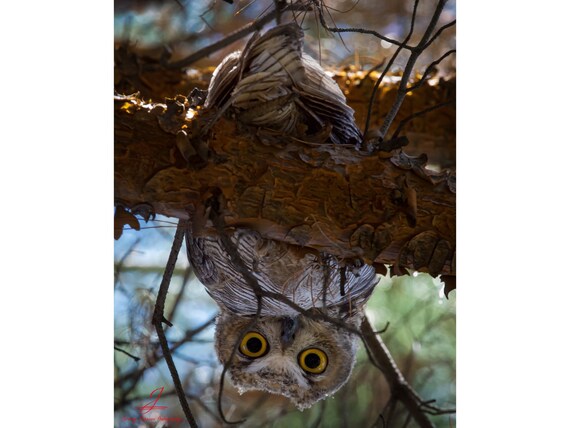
point(300, 358)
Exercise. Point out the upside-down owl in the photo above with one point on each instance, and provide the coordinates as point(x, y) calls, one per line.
point(275, 87)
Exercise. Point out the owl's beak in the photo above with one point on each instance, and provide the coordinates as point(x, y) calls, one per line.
point(289, 327)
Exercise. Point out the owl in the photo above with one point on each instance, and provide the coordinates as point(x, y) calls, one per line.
point(276, 87)
point(284, 352)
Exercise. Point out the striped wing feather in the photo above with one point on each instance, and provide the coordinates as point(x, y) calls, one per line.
point(274, 77)
point(278, 268)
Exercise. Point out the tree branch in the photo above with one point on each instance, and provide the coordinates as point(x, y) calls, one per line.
point(401, 390)
point(334, 199)
point(387, 68)
point(415, 53)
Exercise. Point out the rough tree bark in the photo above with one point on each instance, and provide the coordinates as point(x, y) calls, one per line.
point(383, 207)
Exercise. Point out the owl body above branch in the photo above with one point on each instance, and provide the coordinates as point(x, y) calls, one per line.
point(274, 86)
point(266, 343)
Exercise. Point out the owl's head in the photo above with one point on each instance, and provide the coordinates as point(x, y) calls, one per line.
point(300, 358)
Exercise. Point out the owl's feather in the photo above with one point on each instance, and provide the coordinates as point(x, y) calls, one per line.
point(272, 84)
point(279, 268)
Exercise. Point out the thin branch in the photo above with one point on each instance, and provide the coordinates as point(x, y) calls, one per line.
point(256, 25)
point(136, 375)
point(432, 410)
point(403, 122)
point(407, 421)
point(415, 53)
point(436, 35)
point(229, 362)
point(403, 44)
point(384, 329)
point(401, 390)
point(388, 66)
point(203, 406)
point(429, 68)
point(185, 281)
point(373, 69)
point(158, 319)
point(137, 359)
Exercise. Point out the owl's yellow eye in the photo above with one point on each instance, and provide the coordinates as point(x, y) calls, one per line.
point(313, 360)
point(253, 345)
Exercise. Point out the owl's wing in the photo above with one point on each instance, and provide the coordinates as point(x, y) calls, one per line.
point(304, 279)
point(224, 282)
point(259, 73)
point(223, 79)
point(271, 64)
point(327, 283)
point(322, 99)
point(279, 51)
point(280, 86)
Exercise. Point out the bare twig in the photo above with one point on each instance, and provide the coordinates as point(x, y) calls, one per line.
point(429, 68)
point(158, 319)
point(373, 69)
point(379, 419)
point(229, 362)
point(137, 374)
point(403, 44)
point(185, 281)
point(384, 329)
point(127, 353)
point(438, 32)
point(403, 122)
point(415, 53)
point(401, 391)
point(256, 25)
point(392, 59)
point(407, 421)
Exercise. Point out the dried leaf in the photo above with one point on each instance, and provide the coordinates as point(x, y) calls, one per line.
point(122, 218)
